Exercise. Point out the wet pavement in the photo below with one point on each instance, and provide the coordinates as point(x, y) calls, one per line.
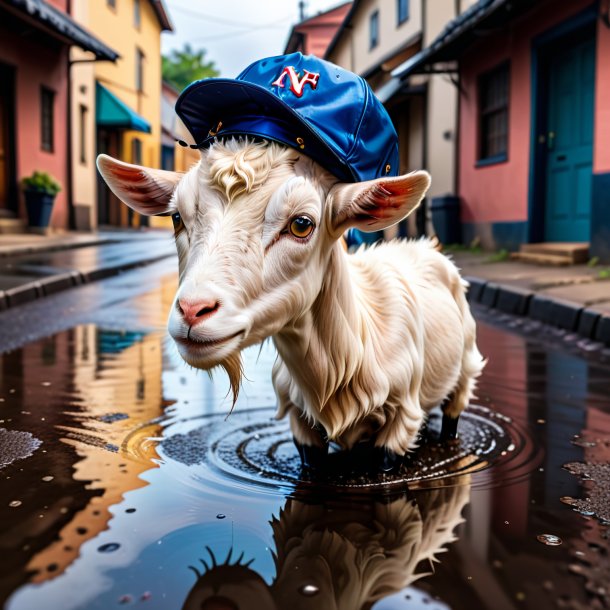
point(27, 276)
point(124, 484)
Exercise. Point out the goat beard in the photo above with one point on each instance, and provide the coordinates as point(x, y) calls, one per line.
point(233, 366)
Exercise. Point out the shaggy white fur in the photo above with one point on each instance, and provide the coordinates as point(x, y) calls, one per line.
point(368, 343)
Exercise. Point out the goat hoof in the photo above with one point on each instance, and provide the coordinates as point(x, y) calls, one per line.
point(449, 430)
point(388, 460)
point(312, 456)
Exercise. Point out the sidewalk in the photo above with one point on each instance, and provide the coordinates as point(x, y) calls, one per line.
point(575, 298)
point(33, 266)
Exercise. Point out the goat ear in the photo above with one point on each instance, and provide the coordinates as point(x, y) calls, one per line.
point(376, 204)
point(145, 190)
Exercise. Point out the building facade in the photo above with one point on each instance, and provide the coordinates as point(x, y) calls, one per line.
point(313, 35)
point(35, 42)
point(116, 108)
point(375, 39)
point(534, 160)
point(173, 156)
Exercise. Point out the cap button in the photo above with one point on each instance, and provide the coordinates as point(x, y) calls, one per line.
point(213, 132)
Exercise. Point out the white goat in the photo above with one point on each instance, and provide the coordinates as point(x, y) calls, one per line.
point(367, 343)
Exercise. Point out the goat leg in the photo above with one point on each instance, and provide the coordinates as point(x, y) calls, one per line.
point(449, 427)
point(387, 460)
point(311, 442)
point(313, 457)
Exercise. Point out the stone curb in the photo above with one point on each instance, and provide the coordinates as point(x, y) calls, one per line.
point(45, 286)
point(26, 250)
point(517, 301)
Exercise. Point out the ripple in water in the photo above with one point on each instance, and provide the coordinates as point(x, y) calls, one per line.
point(251, 446)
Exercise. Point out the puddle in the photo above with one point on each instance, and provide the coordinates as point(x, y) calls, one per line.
point(253, 447)
point(122, 485)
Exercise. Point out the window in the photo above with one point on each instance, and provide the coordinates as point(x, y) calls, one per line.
point(374, 30)
point(136, 151)
point(136, 13)
point(493, 114)
point(139, 70)
point(47, 99)
point(402, 11)
point(82, 141)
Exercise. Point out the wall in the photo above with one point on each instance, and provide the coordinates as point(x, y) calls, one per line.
point(436, 15)
point(601, 150)
point(39, 63)
point(600, 212)
point(84, 178)
point(353, 51)
point(441, 135)
point(116, 28)
point(498, 193)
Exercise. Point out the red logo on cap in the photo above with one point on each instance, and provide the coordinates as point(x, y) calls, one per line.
point(297, 84)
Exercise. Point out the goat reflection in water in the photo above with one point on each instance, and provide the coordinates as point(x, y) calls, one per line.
point(338, 554)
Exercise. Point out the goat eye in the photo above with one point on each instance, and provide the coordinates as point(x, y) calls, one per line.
point(177, 220)
point(301, 227)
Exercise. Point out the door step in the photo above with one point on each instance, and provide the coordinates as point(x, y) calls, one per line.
point(11, 226)
point(552, 253)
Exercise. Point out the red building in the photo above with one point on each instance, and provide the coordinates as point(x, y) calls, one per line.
point(313, 35)
point(35, 39)
point(534, 119)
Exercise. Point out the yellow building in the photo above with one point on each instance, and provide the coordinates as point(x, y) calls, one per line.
point(116, 107)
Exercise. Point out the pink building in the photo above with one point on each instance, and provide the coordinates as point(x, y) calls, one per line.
point(534, 120)
point(35, 38)
point(313, 35)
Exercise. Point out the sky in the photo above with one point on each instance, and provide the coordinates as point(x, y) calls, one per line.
point(236, 32)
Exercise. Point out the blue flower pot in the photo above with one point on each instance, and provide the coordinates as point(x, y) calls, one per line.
point(39, 206)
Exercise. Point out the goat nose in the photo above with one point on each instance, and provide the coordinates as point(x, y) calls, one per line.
point(196, 311)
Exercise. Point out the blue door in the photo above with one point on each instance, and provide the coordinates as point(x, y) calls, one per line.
point(569, 163)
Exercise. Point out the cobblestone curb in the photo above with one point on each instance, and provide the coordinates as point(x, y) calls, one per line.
point(585, 321)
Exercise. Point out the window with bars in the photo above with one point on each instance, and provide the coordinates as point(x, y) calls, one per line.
point(402, 11)
point(493, 114)
point(374, 30)
point(47, 102)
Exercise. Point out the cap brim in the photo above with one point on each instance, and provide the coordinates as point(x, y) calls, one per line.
point(217, 107)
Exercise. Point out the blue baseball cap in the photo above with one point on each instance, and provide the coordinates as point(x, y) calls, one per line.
point(327, 113)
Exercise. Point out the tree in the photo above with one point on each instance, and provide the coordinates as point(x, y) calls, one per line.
point(182, 67)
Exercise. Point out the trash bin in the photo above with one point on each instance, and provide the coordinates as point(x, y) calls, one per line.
point(445, 211)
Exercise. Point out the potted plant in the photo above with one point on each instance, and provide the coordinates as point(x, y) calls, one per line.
point(39, 190)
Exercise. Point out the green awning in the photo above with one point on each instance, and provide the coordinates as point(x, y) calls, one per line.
point(110, 111)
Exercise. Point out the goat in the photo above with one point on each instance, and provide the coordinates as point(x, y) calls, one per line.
point(367, 342)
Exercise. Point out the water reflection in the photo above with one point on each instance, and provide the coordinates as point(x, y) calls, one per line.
point(64, 389)
point(337, 552)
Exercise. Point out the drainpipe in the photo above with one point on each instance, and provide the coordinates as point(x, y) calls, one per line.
point(69, 173)
point(69, 189)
